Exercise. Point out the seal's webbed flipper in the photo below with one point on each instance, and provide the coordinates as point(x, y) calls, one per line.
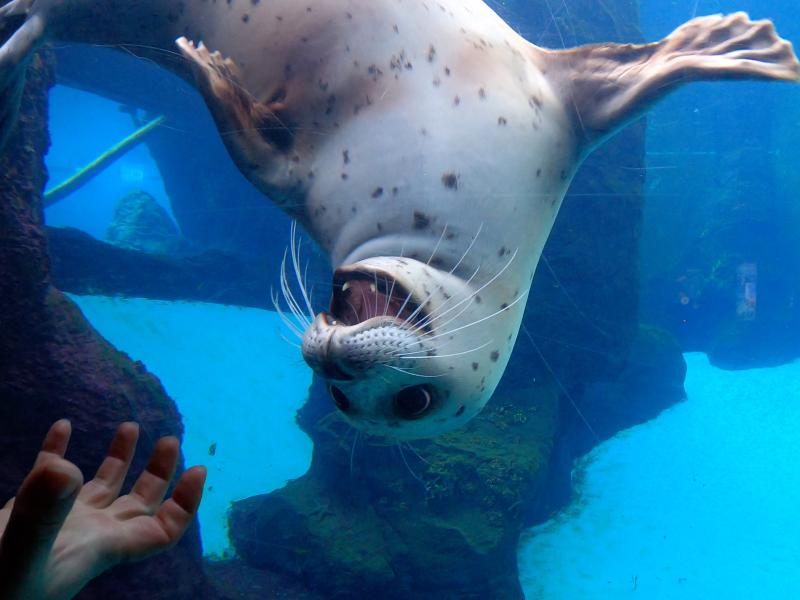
point(21, 32)
point(256, 133)
point(608, 85)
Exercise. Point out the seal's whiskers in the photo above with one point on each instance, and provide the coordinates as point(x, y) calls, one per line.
point(405, 462)
point(423, 303)
point(471, 244)
point(295, 246)
point(412, 373)
point(291, 301)
point(438, 243)
point(472, 295)
point(410, 357)
point(481, 320)
point(286, 320)
point(430, 316)
point(300, 320)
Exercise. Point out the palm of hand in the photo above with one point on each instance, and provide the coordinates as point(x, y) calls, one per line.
point(101, 528)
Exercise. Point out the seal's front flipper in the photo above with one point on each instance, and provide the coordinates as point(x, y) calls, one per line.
point(257, 134)
point(21, 32)
point(608, 85)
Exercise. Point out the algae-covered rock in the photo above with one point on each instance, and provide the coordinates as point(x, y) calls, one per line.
point(436, 519)
point(141, 223)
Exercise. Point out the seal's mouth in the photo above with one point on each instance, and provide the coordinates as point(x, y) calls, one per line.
point(359, 296)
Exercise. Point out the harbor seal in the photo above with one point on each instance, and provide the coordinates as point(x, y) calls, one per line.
point(425, 145)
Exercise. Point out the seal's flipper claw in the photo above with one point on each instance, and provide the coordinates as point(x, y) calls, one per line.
point(609, 85)
point(255, 133)
point(20, 35)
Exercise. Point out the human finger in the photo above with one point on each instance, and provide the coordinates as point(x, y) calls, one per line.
point(176, 514)
point(55, 442)
point(42, 504)
point(104, 488)
point(154, 481)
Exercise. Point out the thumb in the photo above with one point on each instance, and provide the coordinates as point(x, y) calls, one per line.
point(42, 504)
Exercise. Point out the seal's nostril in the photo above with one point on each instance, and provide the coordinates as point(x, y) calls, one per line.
point(339, 399)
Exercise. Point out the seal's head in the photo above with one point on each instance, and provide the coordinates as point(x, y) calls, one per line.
point(410, 351)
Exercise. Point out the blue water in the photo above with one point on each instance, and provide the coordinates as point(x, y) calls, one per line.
point(237, 384)
point(91, 206)
point(700, 502)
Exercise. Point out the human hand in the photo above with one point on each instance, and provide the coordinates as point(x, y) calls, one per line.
point(57, 534)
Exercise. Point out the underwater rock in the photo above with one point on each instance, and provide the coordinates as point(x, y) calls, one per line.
point(234, 580)
point(83, 265)
point(651, 381)
point(141, 223)
point(53, 364)
point(731, 294)
point(439, 519)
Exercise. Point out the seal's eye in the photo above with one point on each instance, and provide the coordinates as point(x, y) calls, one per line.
point(339, 399)
point(412, 402)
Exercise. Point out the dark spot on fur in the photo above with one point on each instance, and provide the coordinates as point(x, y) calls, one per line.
point(447, 71)
point(353, 209)
point(396, 30)
point(344, 175)
point(421, 220)
point(482, 94)
point(456, 101)
point(380, 226)
point(450, 181)
point(504, 306)
point(255, 2)
point(278, 96)
point(346, 156)
point(494, 355)
point(377, 192)
point(503, 251)
point(431, 53)
point(245, 18)
point(475, 366)
point(394, 191)
point(460, 410)
point(502, 121)
point(563, 175)
point(478, 299)
point(538, 172)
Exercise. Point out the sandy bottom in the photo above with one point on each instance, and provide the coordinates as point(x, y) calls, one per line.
point(237, 385)
point(702, 502)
